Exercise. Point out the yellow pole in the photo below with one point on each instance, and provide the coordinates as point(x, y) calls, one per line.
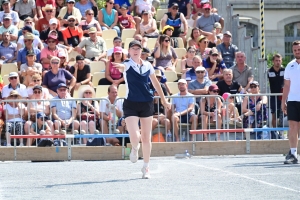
point(262, 28)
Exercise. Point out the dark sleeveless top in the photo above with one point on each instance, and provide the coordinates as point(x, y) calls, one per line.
point(175, 23)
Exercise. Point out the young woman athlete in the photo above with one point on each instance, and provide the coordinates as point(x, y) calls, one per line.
point(138, 103)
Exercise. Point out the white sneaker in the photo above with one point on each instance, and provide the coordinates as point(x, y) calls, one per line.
point(146, 173)
point(21, 145)
point(134, 154)
point(75, 132)
point(63, 132)
point(56, 132)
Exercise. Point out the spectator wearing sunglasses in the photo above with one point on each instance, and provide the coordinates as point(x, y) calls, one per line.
point(28, 69)
point(26, 8)
point(29, 22)
point(40, 4)
point(214, 65)
point(84, 5)
point(191, 74)
point(108, 17)
point(90, 22)
point(203, 49)
point(206, 21)
point(73, 34)
point(53, 26)
point(227, 50)
point(36, 80)
point(43, 23)
point(182, 6)
point(7, 11)
point(9, 27)
point(22, 53)
point(37, 43)
point(14, 84)
point(67, 11)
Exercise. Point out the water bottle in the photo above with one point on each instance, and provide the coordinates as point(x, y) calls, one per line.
point(242, 91)
point(183, 136)
point(185, 155)
point(169, 136)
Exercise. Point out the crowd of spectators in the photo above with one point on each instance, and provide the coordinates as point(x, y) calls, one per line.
point(53, 30)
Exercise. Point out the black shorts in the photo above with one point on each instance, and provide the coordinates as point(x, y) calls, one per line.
point(275, 104)
point(138, 109)
point(293, 110)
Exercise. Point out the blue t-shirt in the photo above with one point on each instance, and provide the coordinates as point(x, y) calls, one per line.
point(219, 66)
point(83, 8)
point(182, 104)
point(121, 2)
point(22, 55)
point(63, 107)
point(53, 80)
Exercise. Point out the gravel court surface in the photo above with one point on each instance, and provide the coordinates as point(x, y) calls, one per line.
point(211, 177)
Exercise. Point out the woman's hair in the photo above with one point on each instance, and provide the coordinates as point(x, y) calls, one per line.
point(87, 11)
point(192, 33)
point(106, 1)
point(191, 47)
point(55, 58)
point(161, 41)
point(34, 56)
point(210, 63)
point(113, 57)
point(36, 76)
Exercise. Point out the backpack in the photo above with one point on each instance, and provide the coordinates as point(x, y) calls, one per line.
point(45, 143)
point(96, 142)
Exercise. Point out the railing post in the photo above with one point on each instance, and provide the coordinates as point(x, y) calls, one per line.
point(247, 133)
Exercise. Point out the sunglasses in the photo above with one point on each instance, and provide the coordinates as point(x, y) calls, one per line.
point(30, 56)
point(214, 55)
point(207, 9)
point(253, 86)
point(90, 13)
point(205, 42)
point(167, 40)
point(88, 92)
point(169, 29)
point(51, 41)
point(192, 51)
point(6, 19)
point(175, 8)
point(55, 63)
point(71, 20)
point(37, 92)
point(111, 3)
point(14, 96)
point(12, 78)
point(62, 90)
point(36, 80)
point(198, 72)
point(49, 11)
point(70, 2)
point(215, 91)
point(28, 40)
point(231, 97)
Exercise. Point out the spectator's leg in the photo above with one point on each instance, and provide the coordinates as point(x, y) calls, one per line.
point(76, 125)
point(19, 127)
point(50, 124)
point(9, 128)
point(104, 126)
point(27, 126)
point(104, 28)
point(118, 30)
point(204, 125)
point(83, 127)
point(137, 19)
point(219, 125)
point(175, 121)
point(194, 124)
point(57, 126)
point(154, 123)
point(144, 42)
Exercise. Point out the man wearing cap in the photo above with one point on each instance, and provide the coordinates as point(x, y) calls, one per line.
point(117, 42)
point(14, 84)
point(125, 20)
point(200, 85)
point(82, 72)
point(227, 50)
point(73, 34)
point(64, 112)
point(94, 45)
point(183, 109)
point(8, 26)
point(22, 53)
point(183, 6)
point(40, 4)
point(43, 23)
point(206, 21)
point(50, 51)
point(175, 18)
point(8, 49)
point(7, 10)
point(191, 74)
point(37, 43)
point(26, 8)
point(53, 26)
point(29, 22)
point(242, 73)
point(28, 69)
point(67, 11)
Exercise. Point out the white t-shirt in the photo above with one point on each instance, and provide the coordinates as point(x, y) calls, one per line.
point(14, 15)
point(110, 52)
point(291, 73)
point(14, 111)
point(20, 88)
point(104, 105)
point(35, 43)
point(38, 66)
point(144, 5)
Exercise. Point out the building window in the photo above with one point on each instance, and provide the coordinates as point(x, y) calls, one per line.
point(251, 29)
point(291, 33)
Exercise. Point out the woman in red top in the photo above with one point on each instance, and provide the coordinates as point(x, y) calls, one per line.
point(113, 75)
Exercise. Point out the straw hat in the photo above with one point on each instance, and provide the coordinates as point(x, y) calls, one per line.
point(13, 93)
point(48, 7)
point(82, 90)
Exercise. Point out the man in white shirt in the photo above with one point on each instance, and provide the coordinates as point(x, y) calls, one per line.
point(109, 112)
point(7, 10)
point(14, 84)
point(291, 95)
